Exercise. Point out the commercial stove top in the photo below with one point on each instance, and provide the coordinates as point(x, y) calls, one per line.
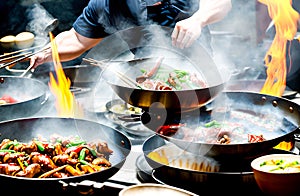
point(135, 169)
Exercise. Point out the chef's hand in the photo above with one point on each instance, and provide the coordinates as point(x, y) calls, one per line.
point(186, 32)
point(40, 58)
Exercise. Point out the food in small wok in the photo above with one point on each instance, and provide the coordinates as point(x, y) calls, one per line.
point(6, 99)
point(163, 78)
point(58, 157)
point(125, 108)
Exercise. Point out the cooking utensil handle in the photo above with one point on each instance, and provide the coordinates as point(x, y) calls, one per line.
point(130, 118)
point(23, 58)
point(92, 184)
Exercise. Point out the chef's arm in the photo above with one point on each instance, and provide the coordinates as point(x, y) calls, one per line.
point(70, 45)
point(212, 11)
point(188, 30)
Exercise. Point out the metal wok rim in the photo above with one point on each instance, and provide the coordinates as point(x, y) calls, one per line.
point(168, 91)
point(43, 92)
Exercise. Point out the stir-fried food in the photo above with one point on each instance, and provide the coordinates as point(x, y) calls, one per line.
point(58, 157)
point(212, 132)
point(6, 99)
point(163, 78)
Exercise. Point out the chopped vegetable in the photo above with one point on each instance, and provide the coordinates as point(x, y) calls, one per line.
point(39, 145)
point(82, 154)
point(213, 123)
point(75, 143)
point(7, 150)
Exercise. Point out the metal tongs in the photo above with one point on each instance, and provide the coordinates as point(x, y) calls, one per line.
point(23, 58)
point(123, 77)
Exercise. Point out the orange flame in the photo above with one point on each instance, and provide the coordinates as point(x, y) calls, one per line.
point(66, 104)
point(285, 21)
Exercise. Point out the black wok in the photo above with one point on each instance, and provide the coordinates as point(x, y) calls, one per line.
point(188, 171)
point(31, 94)
point(248, 108)
point(80, 75)
point(254, 86)
point(176, 100)
point(26, 129)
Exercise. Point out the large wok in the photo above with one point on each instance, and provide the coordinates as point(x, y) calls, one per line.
point(150, 42)
point(284, 113)
point(26, 129)
point(254, 86)
point(176, 100)
point(31, 94)
point(195, 173)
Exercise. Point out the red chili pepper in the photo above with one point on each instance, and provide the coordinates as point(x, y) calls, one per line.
point(169, 130)
point(76, 149)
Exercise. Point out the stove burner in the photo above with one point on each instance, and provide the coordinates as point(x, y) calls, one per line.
point(79, 90)
point(144, 170)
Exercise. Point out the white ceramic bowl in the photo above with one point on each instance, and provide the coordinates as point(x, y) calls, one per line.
point(152, 189)
point(272, 179)
point(8, 42)
point(24, 40)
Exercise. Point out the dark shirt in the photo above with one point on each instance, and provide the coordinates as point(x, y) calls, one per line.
point(296, 5)
point(103, 17)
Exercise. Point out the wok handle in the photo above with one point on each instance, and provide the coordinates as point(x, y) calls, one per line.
point(130, 118)
point(297, 135)
point(86, 186)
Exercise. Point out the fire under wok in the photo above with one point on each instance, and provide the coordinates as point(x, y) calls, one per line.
point(26, 96)
point(253, 122)
point(25, 129)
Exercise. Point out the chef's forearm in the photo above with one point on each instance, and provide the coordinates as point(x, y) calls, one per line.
point(68, 46)
point(71, 45)
point(212, 11)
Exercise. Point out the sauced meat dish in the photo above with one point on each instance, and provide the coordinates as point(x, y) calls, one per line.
point(163, 78)
point(58, 157)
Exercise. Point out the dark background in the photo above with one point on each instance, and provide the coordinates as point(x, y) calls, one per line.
point(14, 16)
